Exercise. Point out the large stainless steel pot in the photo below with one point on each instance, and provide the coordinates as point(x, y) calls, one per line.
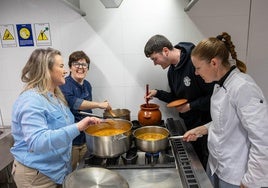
point(151, 146)
point(117, 113)
point(94, 177)
point(109, 146)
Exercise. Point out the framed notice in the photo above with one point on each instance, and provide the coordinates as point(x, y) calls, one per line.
point(25, 35)
point(42, 34)
point(8, 37)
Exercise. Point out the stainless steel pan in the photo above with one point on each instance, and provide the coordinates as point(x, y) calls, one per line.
point(108, 146)
point(149, 145)
point(117, 113)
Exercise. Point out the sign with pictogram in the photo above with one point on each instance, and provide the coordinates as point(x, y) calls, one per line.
point(25, 35)
point(7, 34)
point(42, 34)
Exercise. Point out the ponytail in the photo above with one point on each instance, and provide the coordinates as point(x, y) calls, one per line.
point(226, 38)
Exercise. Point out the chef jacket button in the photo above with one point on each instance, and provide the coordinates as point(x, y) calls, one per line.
point(261, 101)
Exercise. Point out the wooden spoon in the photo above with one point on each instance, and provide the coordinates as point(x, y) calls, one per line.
point(112, 113)
point(147, 93)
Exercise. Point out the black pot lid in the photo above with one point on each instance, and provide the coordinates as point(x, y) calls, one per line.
point(94, 177)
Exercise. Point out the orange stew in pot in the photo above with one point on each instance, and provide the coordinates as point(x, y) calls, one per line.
point(151, 136)
point(108, 132)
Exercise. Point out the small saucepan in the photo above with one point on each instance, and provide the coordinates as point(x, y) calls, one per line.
point(117, 113)
point(151, 139)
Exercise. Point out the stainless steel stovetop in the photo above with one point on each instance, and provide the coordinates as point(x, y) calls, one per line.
point(176, 167)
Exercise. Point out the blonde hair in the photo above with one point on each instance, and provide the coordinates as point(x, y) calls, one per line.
point(220, 47)
point(36, 72)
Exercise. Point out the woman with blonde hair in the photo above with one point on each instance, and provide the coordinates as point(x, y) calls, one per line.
point(237, 134)
point(42, 125)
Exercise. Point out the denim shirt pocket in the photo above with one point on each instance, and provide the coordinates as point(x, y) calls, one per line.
point(55, 120)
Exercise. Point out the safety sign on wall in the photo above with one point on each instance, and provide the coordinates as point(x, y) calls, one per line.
point(25, 35)
point(8, 37)
point(13, 35)
point(42, 34)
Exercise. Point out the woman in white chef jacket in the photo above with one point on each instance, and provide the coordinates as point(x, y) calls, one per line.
point(237, 134)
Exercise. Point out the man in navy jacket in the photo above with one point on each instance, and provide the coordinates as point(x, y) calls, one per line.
point(184, 84)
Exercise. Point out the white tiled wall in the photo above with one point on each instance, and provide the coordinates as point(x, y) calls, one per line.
point(114, 40)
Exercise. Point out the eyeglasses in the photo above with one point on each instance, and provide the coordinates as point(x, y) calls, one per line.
point(78, 64)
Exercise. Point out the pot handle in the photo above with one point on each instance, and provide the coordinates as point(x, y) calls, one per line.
point(181, 137)
point(119, 137)
point(90, 114)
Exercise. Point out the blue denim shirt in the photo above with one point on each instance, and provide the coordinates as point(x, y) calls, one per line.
point(43, 131)
point(75, 93)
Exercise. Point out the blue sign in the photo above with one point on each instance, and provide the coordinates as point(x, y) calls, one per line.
point(25, 35)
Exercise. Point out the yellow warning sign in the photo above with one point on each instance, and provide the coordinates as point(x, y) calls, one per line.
point(8, 35)
point(42, 35)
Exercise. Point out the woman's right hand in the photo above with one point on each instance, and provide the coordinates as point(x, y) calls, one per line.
point(194, 134)
point(86, 122)
point(105, 105)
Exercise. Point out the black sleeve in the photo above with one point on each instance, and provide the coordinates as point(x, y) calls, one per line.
point(165, 96)
point(203, 103)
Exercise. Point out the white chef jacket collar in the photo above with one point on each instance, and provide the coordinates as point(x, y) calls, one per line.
point(221, 81)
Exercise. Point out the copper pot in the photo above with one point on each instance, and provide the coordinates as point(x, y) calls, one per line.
point(149, 114)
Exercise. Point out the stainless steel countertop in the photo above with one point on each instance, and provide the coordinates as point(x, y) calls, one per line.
point(152, 177)
point(6, 141)
point(144, 178)
point(143, 175)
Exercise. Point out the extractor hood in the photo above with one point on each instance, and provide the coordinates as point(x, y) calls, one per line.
point(114, 4)
point(190, 5)
point(111, 3)
point(74, 4)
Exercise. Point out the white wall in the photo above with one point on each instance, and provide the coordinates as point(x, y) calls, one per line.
point(62, 20)
point(258, 43)
point(122, 33)
point(114, 40)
